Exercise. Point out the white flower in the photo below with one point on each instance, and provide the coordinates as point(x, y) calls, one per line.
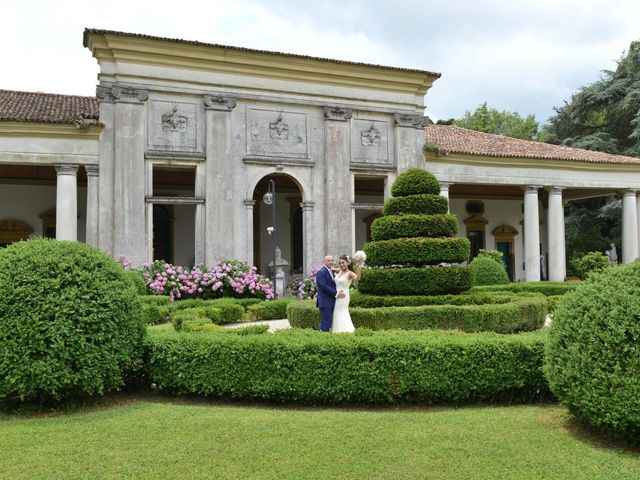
point(359, 256)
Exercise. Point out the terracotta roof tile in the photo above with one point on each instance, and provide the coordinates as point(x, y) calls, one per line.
point(47, 108)
point(95, 31)
point(452, 139)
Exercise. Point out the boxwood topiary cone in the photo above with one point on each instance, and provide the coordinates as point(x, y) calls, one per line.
point(413, 236)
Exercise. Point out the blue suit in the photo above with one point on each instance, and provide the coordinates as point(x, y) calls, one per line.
point(326, 299)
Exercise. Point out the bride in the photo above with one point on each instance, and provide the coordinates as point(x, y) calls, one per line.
point(341, 318)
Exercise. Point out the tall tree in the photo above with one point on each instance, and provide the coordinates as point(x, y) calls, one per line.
point(491, 120)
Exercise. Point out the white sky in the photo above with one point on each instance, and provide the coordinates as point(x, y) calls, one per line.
point(524, 56)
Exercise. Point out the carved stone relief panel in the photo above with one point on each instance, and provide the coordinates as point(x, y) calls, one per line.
point(175, 127)
point(370, 141)
point(276, 132)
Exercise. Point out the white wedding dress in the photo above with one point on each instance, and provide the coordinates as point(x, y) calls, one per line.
point(341, 318)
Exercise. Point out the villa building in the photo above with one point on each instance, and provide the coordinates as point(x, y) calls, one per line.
point(172, 158)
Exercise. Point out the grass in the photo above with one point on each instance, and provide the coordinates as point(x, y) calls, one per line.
point(159, 438)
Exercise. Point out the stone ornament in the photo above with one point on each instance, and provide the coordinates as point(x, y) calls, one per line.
point(121, 94)
point(411, 120)
point(370, 137)
point(278, 129)
point(172, 122)
point(219, 103)
point(338, 113)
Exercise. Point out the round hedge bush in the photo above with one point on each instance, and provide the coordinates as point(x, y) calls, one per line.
point(415, 281)
point(426, 204)
point(415, 181)
point(486, 271)
point(70, 322)
point(411, 226)
point(593, 355)
point(417, 251)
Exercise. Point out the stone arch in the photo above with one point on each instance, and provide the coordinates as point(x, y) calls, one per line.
point(258, 176)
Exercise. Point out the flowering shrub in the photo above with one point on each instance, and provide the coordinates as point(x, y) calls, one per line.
point(226, 279)
point(309, 286)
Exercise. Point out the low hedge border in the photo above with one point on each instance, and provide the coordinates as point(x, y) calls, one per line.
point(270, 310)
point(417, 251)
point(468, 298)
point(411, 226)
point(415, 281)
point(545, 288)
point(419, 204)
point(367, 368)
point(510, 315)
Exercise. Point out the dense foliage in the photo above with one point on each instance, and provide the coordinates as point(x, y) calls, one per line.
point(413, 225)
point(506, 314)
point(414, 182)
point(69, 322)
point(418, 251)
point(427, 280)
point(435, 204)
point(592, 262)
point(487, 271)
point(373, 367)
point(545, 288)
point(593, 356)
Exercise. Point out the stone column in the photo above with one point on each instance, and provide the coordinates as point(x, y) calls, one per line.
point(200, 191)
point(219, 234)
point(409, 140)
point(629, 226)
point(93, 205)
point(555, 236)
point(308, 254)
point(249, 205)
point(67, 202)
point(531, 235)
point(129, 212)
point(106, 163)
point(337, 193)
point(444, 192)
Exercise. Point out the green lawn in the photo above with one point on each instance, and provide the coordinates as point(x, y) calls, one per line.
point(138, 438)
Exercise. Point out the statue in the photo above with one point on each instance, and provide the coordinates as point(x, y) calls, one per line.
point(613, 255)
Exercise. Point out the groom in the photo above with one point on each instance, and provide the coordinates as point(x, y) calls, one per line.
point(327, 294)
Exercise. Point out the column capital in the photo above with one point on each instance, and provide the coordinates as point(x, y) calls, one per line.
point(219, 103)
point(338, 114)
point(555, 190)
point(120, 94)
point(411, 120)
point(630, 191)
point(66, 169)
point(249, 203)
point(92, 170)
point(445, 185)
point(532, 189)
point(307, 206)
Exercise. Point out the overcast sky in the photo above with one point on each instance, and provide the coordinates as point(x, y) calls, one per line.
point(523, 56)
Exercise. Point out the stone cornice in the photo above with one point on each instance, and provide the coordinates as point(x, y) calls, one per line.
point(115, 48)
point(338, 114)
point(220, 103)
point(92, 170)
point(33, 129)
point(411, 120)
point(120, 94)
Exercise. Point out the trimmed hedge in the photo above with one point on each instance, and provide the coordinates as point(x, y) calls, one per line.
point(230, 310)
point(415, 281)
point(271, 309)
point(545, 288)
point(369, 368)
point(487, 271)
point(137, 280)
point(593, 356)
point(425, 204)
point(410, 226)
point(155, 309)
point(511, 315)
point(415, 181)
point(208, 314)
point(69, 322)
point(417, 251)
point(373, 301)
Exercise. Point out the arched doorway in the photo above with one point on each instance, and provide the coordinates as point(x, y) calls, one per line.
point(289, 224)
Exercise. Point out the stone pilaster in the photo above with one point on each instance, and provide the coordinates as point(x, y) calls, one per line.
point(106, 164)
point(337, 193)
point(201, 221)
point(220, 235)
point(93, 205)
point(309, 255)
point(249, 206)
point(531, 235)
point(555, 236)
point(409, 133)
point(67, 202)
point(629, 226)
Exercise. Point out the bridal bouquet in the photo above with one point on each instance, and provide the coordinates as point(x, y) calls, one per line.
point(359, 258)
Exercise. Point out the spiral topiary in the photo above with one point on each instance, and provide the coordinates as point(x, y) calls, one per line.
point(415, 235)
point(593, 354)
point(70, 323)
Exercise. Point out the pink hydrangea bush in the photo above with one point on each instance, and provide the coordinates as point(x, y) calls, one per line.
point(226, 279)
point(309, 286)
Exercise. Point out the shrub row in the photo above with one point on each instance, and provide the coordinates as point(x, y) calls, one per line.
point(518, 314)
point(158, 309)
point(419, 204)
point(468, 298)
point(545, 288)
point(271, 310)
point(409, 226)
point(415, 281)
point(203, 325)
point(417, 251)
point(415, 181)
point(365, 368)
